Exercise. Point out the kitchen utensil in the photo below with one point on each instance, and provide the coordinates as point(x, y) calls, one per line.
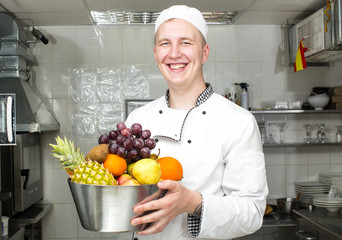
point(270, 138)
point(281, 126)
point(286, 205)
point(321, 135)
point(108, 208)
point(319, 101)
point(308, 137)
point(262, 129)
point(338, 137)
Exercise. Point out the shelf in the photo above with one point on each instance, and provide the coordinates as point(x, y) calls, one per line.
point(270, 145)
point(33, 214)
point(295, 112)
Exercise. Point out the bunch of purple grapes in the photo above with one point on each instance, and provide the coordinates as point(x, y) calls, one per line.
point(130, 143)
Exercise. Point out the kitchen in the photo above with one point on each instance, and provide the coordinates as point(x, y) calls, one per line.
point(254, 50)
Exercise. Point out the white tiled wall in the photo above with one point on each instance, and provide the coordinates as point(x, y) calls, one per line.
point(253, 54)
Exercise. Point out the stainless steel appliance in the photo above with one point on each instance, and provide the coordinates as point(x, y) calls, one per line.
point(323, 38)
point(33, 114)
point(21, 172)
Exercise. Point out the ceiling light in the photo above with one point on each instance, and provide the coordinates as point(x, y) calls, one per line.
point(125, 17)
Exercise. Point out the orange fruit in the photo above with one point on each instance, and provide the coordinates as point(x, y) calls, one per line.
point(115, 164)
point(171, 168)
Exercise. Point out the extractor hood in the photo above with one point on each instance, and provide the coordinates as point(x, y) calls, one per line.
point(32, 114)
point(321, 33)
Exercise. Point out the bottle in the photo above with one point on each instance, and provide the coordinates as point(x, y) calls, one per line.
point(244, 95)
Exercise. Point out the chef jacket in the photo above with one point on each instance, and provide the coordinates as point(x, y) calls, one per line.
point(218, 144)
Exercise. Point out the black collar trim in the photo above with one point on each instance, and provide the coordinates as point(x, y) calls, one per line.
point(201, 99)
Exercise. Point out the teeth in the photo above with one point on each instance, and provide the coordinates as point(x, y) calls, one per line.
point(178, 66)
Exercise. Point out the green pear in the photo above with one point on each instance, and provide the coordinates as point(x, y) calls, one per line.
point(129, 168)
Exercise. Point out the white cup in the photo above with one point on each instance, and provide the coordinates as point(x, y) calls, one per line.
point(4, 225)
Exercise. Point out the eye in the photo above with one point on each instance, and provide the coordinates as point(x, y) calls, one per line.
point(164, 43)
point(186, 43)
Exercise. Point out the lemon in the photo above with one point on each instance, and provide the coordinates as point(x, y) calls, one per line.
point(146, 171)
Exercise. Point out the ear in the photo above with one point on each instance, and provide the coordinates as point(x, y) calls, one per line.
point(205, 53)
point(154, 53)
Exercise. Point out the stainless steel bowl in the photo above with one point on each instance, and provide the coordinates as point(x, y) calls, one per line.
point(286, 205)
point(108, 208)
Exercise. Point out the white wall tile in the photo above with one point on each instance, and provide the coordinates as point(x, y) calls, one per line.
point(65, 219)
point(64, 46)
point(110, 44)
point(48, 225)
point(42, 79)
point(275, 156)
point(272, 49)
point(133, 46)
point(251, 74)
point(276, 180)
point(336, 155)
point(60, 80)
point(273, 84)
point(249, 38)
point(48, 188)
point(227, 42)
point(297, 156)
point(61, 109)
point(314, 171)
point(149, 31)
point(319, 155)
point(87, 45)
point(295, 173)
point(61, 189)
point(227, 72)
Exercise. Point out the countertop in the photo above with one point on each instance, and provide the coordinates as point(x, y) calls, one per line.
point(278, 220)
point(330, 222)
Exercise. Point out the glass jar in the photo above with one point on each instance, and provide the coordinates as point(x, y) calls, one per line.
point(339, 134)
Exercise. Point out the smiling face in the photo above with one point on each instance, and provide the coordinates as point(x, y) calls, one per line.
point(180, 53)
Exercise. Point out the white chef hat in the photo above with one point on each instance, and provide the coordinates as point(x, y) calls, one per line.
point(190, 14)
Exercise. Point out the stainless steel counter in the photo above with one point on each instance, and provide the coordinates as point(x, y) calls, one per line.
point(327, 223)
point(278, 220)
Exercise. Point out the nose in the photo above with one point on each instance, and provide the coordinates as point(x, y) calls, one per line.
point(174, 51)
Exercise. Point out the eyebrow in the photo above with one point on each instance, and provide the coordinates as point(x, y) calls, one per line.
point(181, 39)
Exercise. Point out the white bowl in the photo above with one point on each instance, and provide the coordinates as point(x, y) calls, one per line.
point(319, 101)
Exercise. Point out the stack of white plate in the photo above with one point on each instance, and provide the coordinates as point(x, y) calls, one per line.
point(305, 190)
point(331, 204)
point(332, 178)
point(338, 192)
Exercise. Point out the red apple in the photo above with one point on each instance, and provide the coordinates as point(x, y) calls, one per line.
point(130, 182)
point(123, 178)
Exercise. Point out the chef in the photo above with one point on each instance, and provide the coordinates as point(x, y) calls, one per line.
point(223, 191)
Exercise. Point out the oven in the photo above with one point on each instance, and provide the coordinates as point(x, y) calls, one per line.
point(21, 173)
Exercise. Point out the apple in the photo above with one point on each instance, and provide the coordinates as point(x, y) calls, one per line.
point(130, 167)
point(123, 178)
point(130, 182)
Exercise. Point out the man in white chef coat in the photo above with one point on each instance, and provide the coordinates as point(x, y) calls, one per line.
point(223, 191)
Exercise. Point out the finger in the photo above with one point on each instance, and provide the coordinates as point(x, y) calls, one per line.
point(151, 228)
point(154, 196)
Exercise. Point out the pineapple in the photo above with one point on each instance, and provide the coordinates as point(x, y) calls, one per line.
point(79, 169)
